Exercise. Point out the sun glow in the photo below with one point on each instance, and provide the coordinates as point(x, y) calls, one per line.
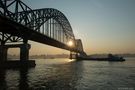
point(70, 43)
point(71, 60)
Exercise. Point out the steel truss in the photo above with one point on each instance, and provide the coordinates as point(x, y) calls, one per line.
point(47, 21)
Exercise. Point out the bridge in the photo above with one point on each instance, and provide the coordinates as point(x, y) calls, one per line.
point(19, 23)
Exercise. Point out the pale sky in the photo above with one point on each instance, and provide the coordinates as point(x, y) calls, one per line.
point(104, 26)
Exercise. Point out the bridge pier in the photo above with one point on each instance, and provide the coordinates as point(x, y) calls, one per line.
point(3, 53)
point(73, 55)
point(24, 56)
point(24, 52)
point(77, 56)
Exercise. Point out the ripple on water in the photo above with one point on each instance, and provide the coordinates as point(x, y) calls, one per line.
point(62, 74)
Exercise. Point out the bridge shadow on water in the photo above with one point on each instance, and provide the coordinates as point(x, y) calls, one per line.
point(3, 84)
point(43, 77)
point(23, 80)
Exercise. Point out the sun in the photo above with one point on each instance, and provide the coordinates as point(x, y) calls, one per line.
point(70, 43)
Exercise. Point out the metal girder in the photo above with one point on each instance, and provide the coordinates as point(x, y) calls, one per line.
point(35, 19)
point(7, 38)
point(41, 16)
point(49, 22)
point(79, 45)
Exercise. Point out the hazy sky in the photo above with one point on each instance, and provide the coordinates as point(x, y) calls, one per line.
point(105, 26)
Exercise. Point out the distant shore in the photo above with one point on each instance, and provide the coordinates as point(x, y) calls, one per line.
point(49, 56)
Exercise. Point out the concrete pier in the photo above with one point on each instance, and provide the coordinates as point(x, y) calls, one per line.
point(73, 55)
point(24, 52)
point(3, 53)
point(24, 56)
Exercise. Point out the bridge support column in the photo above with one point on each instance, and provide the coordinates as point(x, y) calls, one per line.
point(73, 55)
point(70, 57)
point(76, 55)
point(24, 56)
point(3, 53)
point(24, 52)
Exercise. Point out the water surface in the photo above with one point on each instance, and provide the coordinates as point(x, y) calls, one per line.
point(65, 74)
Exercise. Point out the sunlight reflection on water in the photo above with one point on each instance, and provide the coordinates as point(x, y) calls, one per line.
point(71, 60)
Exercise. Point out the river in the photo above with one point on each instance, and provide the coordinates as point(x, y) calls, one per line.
point(66, 74)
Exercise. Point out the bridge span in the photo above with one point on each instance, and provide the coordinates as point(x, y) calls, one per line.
point(19, 23)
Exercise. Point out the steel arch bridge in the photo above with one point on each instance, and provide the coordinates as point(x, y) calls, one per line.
point(19, 23)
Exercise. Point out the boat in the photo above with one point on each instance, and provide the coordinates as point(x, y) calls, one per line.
point(115, 58)
point(109, 58)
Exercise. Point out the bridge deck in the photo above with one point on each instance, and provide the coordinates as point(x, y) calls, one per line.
point(11, 27)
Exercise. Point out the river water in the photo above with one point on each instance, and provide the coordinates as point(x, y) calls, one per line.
point(66, 74)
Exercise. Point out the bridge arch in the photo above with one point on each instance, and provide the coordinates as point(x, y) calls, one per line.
point(47, 20)
point(39, 22)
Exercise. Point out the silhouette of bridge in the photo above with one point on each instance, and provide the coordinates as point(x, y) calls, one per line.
point(19, 23)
